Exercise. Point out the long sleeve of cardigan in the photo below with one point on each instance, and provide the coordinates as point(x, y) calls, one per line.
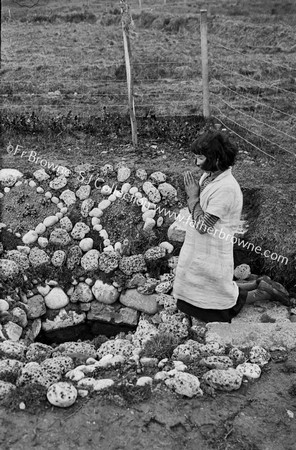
point(202, 220)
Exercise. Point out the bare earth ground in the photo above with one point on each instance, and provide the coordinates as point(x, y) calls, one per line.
point(78, 58)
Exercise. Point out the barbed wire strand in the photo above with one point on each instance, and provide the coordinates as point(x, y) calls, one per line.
point(249, 54)
point(257, 120)
point(261, 82)
point(250, 131)
point(91, 104)
point(136, 80)
point(254, 100)
point(241, 137)
point(246, 140)
point(253, 25)
point(111, 94)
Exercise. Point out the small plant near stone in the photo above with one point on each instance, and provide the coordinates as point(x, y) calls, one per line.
point(33, 396)
point(126, 394)
point(265, 318)
point(292, 390)
point(160, 346)
point(195, 368)
point(99, 340)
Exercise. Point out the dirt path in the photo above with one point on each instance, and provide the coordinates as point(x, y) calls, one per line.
point(254, 418)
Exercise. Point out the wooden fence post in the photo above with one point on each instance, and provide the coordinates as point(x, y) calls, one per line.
point(204, 62)
point(126, 20)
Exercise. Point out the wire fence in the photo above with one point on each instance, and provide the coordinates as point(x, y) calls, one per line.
point(251, 95)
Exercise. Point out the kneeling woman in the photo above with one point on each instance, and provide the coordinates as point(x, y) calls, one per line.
point(204, 283)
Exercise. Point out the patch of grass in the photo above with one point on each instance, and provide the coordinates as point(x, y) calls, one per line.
point(33, 396)
point(127, 394)
point(160, 346)
point(292, 390)
point(274, 232)
point(74, 17)
point(99, 340)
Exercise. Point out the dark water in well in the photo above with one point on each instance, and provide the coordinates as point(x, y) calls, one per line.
point(84, 331)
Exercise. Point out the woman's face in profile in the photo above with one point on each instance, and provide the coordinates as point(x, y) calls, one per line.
point(199, 160)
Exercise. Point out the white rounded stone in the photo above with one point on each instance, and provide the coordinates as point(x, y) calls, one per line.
point(59, 215)
point(98, 227)
point(95, 221)
point(249, 370)
point(48, 194)
point(64, 210)
point(9, 177)
point(145, 208)
point(62, 394)
point(75, 375)
point(123, 174)
point(23, 249)
point(112, 198)
point(125, 187)
point(43, 290)
point(149, 224)
point(32, 183)
point(158, 177)
point(117, 247)
point(39, 190)
point(109, 248)
point(106, 242)
point(40, 229)
point(104, 204)
point(6, 190)
point(106, 190)
point(30, 237)
point(138, 195)
point(167, 245)
point(56, 299)
point(55, 200)
point(159, 221)
point(143, 381)
point(118, 194)
point(133, 190)
point(104, 292)
point(104, 234)
point(4, 305)
point(95, 212)
point(86, 244)
point(148, 214)
point(82, 393)
point(103, 384)
point(50, 221)
point(42, 242)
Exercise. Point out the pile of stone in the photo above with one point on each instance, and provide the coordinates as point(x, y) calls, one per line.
point(65, 378)
point(143, 302)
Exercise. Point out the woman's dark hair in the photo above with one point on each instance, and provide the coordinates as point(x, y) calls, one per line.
point(218, 150)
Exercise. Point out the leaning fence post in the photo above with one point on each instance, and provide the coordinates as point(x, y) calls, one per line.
point(204, 62)
point(127, 23)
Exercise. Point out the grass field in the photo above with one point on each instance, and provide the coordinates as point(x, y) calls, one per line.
point(64, 62)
